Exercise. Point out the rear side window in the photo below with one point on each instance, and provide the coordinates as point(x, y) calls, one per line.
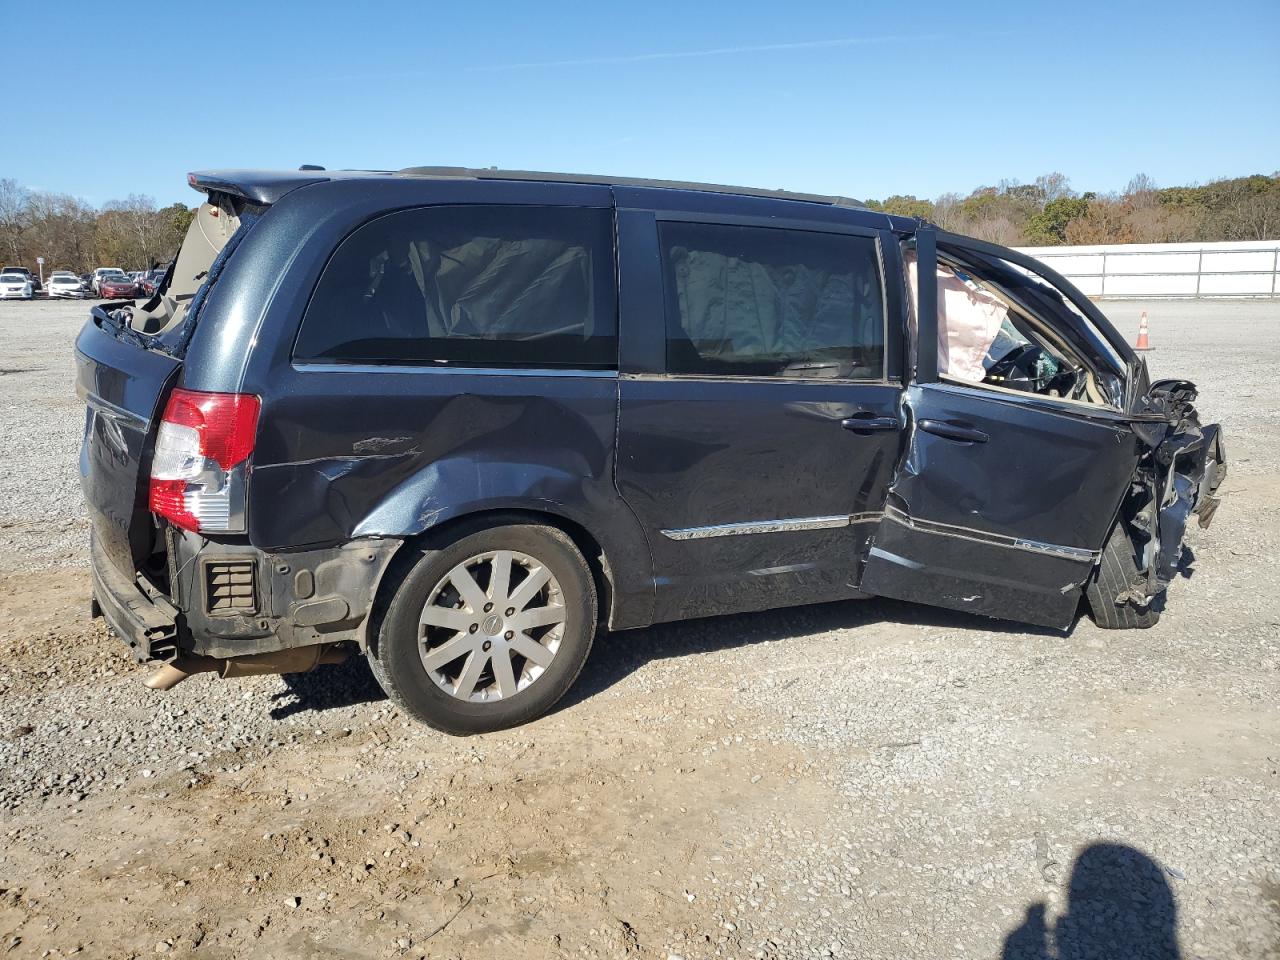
point(764, 302)
point(469, 285)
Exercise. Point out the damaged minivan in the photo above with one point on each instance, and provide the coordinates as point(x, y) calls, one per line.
point(461, 421)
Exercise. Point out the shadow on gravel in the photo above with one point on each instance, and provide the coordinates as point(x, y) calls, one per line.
point(1119, 905)
point(328, 688)
point(616, 655)
point(1187, 563)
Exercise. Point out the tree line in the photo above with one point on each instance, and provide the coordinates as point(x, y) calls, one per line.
point(134, 233)
point(1049, 213)
point(70, 234)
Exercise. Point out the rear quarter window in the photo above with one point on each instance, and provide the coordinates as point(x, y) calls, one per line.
point(470, 286)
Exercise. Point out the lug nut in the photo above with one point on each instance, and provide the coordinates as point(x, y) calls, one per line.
point(511, 611)
point(488, 607)
point(473, 628)
point(486, 645)
point(509, 634)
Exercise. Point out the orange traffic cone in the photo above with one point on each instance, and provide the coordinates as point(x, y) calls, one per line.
point(1143, 345)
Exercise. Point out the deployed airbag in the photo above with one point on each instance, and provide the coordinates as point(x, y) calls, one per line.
point(969, 320)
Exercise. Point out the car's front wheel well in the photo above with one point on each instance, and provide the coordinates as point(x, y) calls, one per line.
point(411, 550)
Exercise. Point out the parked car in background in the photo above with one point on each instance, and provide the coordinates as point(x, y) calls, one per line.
point(66, 286)
point(31, 277)
point(122, 287)
point(150, 282)
point(15, 286)
point(461, 421)
point(96, 283)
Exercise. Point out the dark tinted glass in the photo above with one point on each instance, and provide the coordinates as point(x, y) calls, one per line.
point(751, 301)
point(469, 285)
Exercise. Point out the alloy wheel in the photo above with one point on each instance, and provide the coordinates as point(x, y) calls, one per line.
point(491, 626)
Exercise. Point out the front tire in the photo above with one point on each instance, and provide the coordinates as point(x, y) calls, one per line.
point(1117, 572)
point(489, 628)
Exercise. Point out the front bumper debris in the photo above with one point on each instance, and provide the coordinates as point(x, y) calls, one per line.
point(1177, 478)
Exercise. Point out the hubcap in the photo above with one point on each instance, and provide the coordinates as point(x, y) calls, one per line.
point(491, 626)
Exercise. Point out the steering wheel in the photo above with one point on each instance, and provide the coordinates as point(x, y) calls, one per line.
point(1017, 369)
point(1023, 368)
point(1068, 382)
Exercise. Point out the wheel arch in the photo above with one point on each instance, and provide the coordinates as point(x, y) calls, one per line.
point(610, 614)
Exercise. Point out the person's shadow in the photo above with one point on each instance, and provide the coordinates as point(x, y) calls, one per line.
point(1119, 905)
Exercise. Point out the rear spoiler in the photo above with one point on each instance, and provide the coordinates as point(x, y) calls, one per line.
point(262, 187)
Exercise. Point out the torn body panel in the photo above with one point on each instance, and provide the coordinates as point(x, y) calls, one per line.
point(1012, 523)
point(228, 600)
point(238, 601)
point(1178, 476)
point(1008, 488)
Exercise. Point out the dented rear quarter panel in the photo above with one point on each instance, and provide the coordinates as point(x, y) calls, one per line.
point(349, 450)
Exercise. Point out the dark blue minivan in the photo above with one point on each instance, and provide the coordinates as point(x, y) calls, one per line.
point(460, 420)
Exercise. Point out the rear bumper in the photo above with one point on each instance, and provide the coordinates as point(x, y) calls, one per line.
point(298, 599)
point(136, 612)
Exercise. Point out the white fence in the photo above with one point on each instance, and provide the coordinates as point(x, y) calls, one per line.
point(1246, 269)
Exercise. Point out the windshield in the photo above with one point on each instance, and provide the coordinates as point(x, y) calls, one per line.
point(13, 278)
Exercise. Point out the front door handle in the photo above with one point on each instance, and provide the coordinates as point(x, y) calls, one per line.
point(865, 423)
point(954, 431)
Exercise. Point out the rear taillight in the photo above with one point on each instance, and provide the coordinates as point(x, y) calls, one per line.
point(198, 472)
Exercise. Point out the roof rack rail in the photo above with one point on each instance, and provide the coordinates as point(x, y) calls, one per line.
point(493, 173)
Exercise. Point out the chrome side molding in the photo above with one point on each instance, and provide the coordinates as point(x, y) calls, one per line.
point(771, 526)
point(794, 524)
point(982, 536)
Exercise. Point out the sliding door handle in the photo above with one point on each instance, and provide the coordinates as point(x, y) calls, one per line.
point(954, 431)
point(867, 424)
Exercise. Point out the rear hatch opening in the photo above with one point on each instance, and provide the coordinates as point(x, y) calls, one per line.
point(128, 361)
point(216, 221)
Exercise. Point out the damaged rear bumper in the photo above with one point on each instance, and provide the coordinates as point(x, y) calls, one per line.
point(230, 600)
point(136, 612)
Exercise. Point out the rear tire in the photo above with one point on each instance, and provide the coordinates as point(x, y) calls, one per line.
point(477, 692)
point(1116, 573)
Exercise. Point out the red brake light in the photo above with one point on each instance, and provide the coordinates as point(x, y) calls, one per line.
point(226, 422)
point(197, 480)
point(167, 500)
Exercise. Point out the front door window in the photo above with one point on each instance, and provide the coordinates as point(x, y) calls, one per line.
point(997, 329)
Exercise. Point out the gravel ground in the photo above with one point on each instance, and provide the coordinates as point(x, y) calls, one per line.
point(852, 780)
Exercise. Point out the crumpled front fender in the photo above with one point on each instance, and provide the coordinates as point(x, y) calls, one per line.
point(1177, 477)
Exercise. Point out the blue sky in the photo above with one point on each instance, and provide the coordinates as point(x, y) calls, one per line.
point(864, 99)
